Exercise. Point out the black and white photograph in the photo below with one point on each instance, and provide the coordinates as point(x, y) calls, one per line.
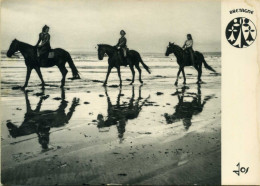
point(111, 92)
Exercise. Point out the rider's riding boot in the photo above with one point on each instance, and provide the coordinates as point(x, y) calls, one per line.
point(125, 61)
point(38, 60)
point(192, 60)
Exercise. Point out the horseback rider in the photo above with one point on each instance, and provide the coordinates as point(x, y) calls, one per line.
point(121, 46)
point(43, 45)
point(188, 48)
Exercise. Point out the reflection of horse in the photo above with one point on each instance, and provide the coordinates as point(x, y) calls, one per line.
point(118, 114)
point(184, 60)
point(29, 53)
point(40, 122)
point(134, 59)
point(184, 110)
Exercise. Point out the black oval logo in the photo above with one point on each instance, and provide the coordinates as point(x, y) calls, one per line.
point(241, 32)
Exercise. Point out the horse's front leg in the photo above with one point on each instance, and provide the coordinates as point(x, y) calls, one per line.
point(133, 74)
point(119, 75)
point(28, 74)
point(176, 82)
point(108, 72)
point(40, 76)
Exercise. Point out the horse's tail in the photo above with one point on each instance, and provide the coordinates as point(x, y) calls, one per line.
point(144, 65)
point(206, 64)
point(75, 71)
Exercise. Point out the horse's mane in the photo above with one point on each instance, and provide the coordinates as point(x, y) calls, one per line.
point(106, 45)
point(25, 44)
point(178, 48)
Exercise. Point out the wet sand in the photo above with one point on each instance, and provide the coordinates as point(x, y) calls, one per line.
point(153, 133)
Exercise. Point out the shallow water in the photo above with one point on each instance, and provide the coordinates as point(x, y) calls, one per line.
point(85, 118)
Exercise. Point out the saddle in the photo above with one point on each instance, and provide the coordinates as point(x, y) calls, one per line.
point(51, 55)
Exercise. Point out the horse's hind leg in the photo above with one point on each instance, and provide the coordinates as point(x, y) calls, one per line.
point(119, 75)
point(64, 72)
point(133, 74)
point(199, 73)
point(140, 72)
point(183, 73)
point(38, 70)
point(200, 70)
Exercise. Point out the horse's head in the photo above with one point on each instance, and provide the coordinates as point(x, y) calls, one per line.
point(43, 135)
point(186, 123)
point(101, 52)
point(13, 48)
point(169, 49)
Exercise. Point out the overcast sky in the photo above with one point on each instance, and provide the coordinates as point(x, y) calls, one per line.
point(79, 25)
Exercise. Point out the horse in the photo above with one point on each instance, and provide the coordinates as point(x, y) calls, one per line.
point(40, 122)
point(183, 61)
point(118, 114)
point(114, 61)
point(186, 109)
point(61, 56)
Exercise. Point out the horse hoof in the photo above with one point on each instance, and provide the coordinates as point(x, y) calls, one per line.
point(75, 77)
point(175, 83)
point(141, 82)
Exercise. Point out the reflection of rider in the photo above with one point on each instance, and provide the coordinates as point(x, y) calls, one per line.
point(121, 45)
point(43, 44)
point(188, 47)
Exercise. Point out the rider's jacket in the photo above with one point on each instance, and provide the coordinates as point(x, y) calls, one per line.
point(122, 42)
point(43, 44)
point(188, 43)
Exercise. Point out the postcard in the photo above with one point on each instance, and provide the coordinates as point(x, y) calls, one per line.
point(138, 92)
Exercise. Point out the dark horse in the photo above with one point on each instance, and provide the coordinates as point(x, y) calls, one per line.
point(119, 113)
point(40, 122)
point(114, 61)
point(29, 53)
point(184, 110)
point(184, 60)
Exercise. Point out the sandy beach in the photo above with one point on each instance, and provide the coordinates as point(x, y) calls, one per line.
point(155, 133)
